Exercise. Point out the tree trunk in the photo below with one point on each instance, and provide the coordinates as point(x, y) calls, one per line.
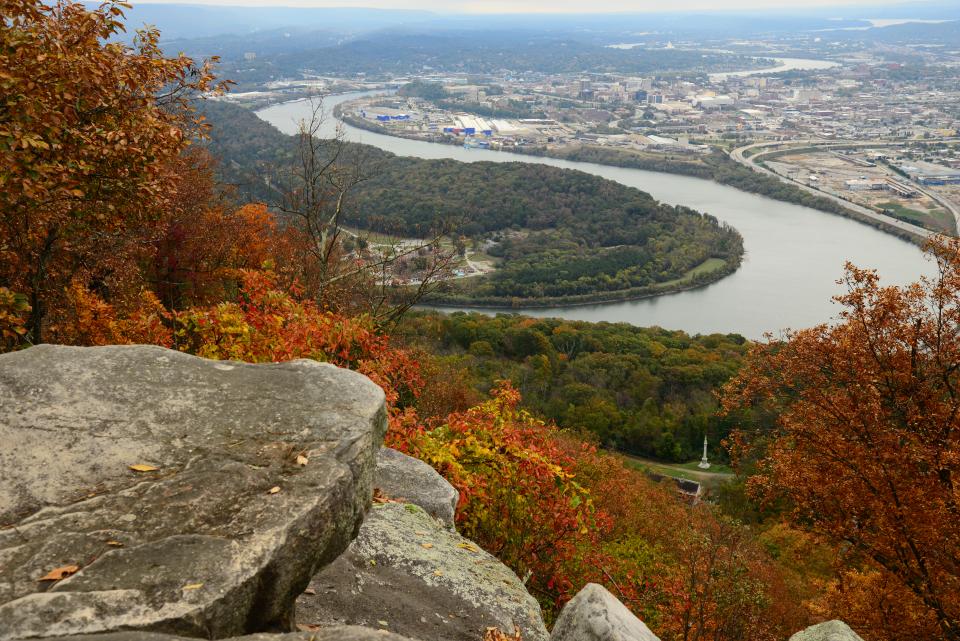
point(37, 303)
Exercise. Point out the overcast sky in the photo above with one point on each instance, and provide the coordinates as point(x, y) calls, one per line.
point(546, 6)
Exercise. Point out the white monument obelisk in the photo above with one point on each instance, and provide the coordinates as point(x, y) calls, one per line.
point(704, 463)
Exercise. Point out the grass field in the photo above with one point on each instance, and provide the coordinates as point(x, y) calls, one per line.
point(716, 476)
point(709, 265)
point(936, 220)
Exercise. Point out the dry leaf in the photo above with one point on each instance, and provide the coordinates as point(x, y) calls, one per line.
point(141, 467)
point(468, 547)
point(380, 497)
point(383, 623)
point(426, 546)
point(193, 586)
point(437, 573)
point(60, 573)
point(303, 627)
point(310, 591)
point(495, 634)
point(116, 544)
point(302, 460)
point(421, 532)
point(274, 489)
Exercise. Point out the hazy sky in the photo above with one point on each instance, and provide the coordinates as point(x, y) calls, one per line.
point(545, 6)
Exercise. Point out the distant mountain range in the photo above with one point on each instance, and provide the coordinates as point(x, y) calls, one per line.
point(191, 21)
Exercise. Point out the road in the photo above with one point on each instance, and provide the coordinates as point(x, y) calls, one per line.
point(738, 156)
point(949, 205)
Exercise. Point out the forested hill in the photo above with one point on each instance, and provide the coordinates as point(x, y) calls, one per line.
point(389, 54)
point(645, 391)
point(561, 235)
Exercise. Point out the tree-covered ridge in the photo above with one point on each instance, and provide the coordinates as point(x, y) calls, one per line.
point(646, 391)
point(562, 235)
point(392, 54)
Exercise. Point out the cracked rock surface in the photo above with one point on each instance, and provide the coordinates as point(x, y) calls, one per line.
point(408, 574)
point(219, 539)
point(336, 633)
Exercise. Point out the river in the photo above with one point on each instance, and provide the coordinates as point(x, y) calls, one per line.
point(783, 64)
point(794, 255)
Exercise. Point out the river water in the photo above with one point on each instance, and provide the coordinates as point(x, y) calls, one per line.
point(794, 255)
point(783, 64)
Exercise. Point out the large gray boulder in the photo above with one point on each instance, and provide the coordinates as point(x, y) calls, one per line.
point(403, 477)
point(336, 633)
point(596, 615)
point(829, 631)
point(263, 474)
point(408, 574)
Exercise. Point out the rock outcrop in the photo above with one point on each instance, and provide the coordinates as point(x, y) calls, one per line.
point(829, 631)
point(403, 477)
point(596, 615)
point(144, 491)
point(407, 574)
point(336, 633)
point(247, 479)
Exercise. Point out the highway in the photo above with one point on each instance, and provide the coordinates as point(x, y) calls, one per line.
point(739, 156)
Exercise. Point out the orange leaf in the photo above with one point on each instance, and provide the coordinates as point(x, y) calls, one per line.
point(60, 573)
point(141, 467)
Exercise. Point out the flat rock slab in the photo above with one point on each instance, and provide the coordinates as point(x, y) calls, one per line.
point(596, 615)
point(829, 631)
point(336, 633)
point(200, 546)
point(403, 477)
point(407, 574)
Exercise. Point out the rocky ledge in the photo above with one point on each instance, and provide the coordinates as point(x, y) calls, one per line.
point(142, 488)
point(408, 574)
point(144, 491)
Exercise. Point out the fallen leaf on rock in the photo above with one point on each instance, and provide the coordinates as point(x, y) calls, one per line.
point(142, 467)
point(421, 532)
point(60, 573)
point(383, 623)
point(302, 460)
point(310, 591)
point(193, 586)
point(437, 573)
point(468, 547)
point(426, 546)
point(116, 544)
point(303, 627)
point(380, 497)
point(274, 489)
point(495, 634)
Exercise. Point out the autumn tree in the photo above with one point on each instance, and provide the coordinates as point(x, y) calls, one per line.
point(867, 439)
point(88, 129)
point(318, 199)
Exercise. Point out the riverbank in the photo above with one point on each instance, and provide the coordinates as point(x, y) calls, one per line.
point(693, 279)
point(793, 260)
point(718, 167)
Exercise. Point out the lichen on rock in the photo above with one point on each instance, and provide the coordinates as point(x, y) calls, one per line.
point(408, 574)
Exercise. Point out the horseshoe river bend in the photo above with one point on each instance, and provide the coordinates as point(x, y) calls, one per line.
point(794, 255)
